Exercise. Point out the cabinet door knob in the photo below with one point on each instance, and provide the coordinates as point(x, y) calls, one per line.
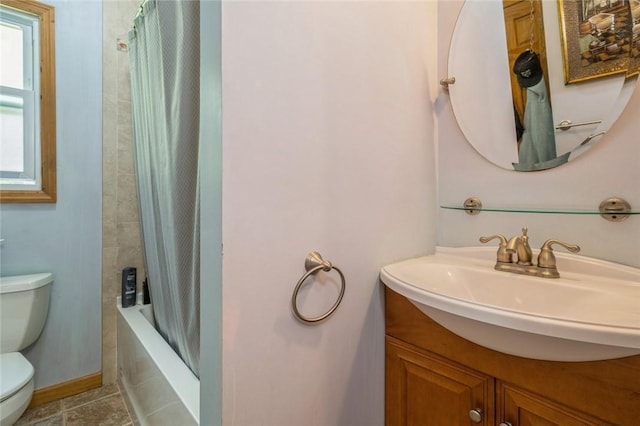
point(475, 415)
point(505, 424)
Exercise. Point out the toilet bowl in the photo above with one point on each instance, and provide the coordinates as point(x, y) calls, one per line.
point(16, 386)
point(24, 304)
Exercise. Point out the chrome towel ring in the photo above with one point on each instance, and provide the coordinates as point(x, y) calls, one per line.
point(313, 263)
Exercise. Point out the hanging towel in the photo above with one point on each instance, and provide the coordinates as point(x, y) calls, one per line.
point(538, 140)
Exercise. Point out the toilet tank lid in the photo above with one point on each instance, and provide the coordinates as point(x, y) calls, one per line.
point(15, 372)
point(24, 282)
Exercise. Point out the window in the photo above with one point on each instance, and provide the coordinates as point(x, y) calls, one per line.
point(27, 102)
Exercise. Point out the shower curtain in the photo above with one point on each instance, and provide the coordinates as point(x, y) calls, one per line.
point(164, 56)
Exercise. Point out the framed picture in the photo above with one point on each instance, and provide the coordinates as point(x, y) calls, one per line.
point(596, 37)
point(634, 59)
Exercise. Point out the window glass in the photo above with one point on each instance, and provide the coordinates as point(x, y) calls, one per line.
point(12, 133)
point(11, 55)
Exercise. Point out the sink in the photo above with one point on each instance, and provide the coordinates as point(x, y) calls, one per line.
point(592, 312)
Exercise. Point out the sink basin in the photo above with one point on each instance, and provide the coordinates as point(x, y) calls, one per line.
point(592, 312)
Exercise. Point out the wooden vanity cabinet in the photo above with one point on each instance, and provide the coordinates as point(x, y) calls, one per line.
point(435, 378)
point(424, 389)
point(518, 407)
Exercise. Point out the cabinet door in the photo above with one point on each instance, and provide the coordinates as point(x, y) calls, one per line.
point(519, 408)
point(423, 389)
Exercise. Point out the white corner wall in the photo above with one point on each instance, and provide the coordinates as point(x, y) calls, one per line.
point(607, 170)
point(327, 145)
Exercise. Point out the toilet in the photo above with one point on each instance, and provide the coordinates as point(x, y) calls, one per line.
point(24, 304)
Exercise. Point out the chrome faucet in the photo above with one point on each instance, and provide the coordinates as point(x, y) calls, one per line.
point(546, 265)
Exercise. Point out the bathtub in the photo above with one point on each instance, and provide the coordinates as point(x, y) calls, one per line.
point(158, 387)
point(603, 21)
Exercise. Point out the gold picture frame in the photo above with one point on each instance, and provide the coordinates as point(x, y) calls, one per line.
point(634, 59)
point(596, 36)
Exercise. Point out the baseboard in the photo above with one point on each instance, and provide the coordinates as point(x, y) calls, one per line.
point(65, 389)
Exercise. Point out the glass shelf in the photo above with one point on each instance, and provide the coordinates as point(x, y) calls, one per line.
point(613, 209)
point(535, 210)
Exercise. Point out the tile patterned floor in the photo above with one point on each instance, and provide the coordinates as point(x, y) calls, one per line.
point(98, 407)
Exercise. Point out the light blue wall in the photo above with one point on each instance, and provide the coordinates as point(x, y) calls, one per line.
point(66, 237)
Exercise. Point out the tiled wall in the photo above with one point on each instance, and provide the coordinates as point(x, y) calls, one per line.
point(121, 243)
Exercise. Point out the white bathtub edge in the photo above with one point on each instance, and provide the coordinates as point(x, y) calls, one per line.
point(183, 381)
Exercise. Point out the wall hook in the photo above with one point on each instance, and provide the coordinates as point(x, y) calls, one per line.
point(445, 82)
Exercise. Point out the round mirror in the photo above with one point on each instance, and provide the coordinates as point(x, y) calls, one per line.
point(538, 83)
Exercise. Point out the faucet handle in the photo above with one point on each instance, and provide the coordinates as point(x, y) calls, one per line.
point(546, 258)
point(502, 255)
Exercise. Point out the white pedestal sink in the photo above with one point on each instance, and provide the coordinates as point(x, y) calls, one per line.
point(592, 312)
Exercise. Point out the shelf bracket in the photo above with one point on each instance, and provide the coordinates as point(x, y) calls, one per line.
point(472, 206)
point(614, 209)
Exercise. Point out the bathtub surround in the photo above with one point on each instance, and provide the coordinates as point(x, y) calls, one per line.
point(122, 244)
point(156, 383)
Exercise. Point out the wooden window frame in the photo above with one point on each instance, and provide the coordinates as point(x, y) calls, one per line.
point(47, 191)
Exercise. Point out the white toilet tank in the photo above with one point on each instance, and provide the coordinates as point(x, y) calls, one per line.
point(24, 304)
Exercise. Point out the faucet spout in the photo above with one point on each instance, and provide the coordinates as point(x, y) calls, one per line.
point(520, 246)
point(513, 244)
